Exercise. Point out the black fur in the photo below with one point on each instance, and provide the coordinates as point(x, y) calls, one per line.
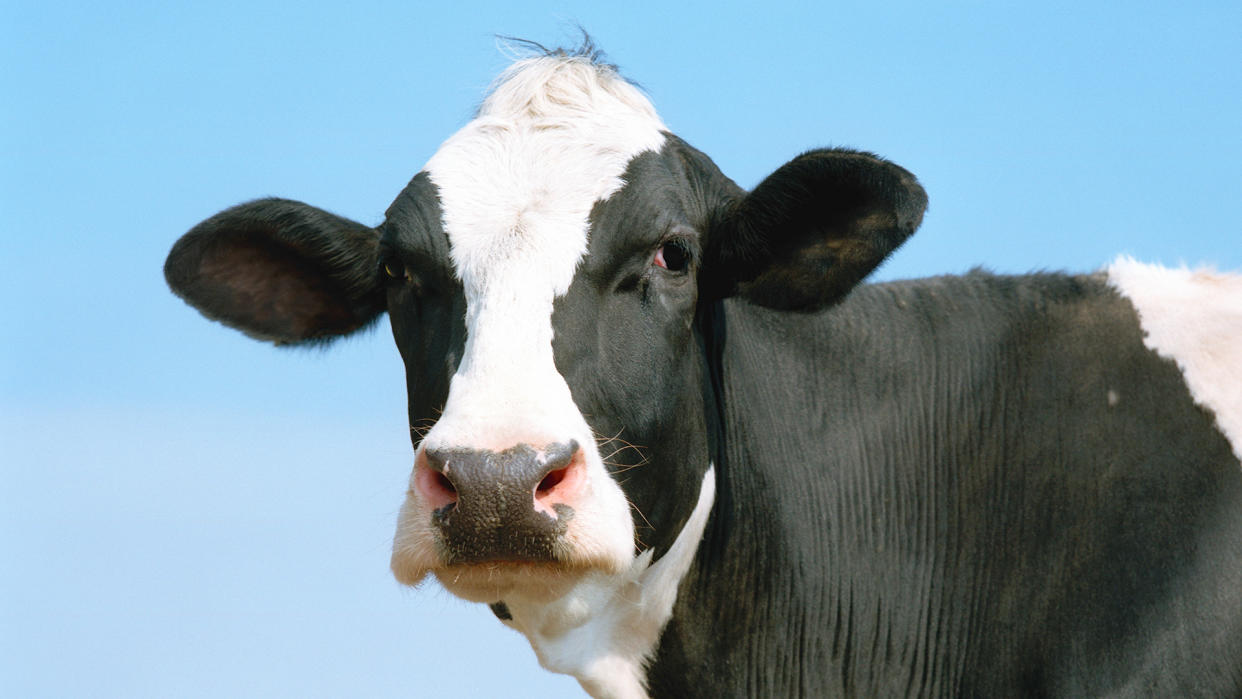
point(924, 491)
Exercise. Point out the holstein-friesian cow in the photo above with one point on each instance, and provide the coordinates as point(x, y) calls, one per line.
point(675, 443)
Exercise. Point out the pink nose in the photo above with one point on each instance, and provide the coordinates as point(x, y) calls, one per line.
point(501, 505)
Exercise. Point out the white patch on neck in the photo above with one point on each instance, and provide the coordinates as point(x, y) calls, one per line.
point(1193, 317)
point(605, 629)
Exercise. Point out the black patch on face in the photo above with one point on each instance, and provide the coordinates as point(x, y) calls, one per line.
point(626, 339)
point(425, 300)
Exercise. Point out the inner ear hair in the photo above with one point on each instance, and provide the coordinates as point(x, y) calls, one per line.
point(279, 270)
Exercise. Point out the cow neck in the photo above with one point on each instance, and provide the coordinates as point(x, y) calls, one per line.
point(606, 628)
point(733, 583)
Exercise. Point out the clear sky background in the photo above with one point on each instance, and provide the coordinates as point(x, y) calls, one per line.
point(185, 512)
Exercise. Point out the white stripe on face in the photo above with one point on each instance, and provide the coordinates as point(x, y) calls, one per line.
point(516, 186)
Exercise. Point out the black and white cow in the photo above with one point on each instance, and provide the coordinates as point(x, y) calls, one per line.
point(666, 435)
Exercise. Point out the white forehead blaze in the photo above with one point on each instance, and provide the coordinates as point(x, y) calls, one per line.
point(1193, 317)
point(518, 182)
point(516, 186)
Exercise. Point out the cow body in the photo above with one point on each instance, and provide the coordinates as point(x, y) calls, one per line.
point(976, 486)
point(660, 432)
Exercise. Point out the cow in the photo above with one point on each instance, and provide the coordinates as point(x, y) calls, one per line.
point(665, 432)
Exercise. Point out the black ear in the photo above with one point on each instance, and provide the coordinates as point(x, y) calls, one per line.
point(280, 270)
point(812, 230)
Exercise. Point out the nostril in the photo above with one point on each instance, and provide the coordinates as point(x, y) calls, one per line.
point(564, 480)
point(444, 482)
point(436, 488)
point(552, 480)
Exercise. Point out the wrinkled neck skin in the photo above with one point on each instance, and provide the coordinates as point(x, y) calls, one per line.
point(605, 629)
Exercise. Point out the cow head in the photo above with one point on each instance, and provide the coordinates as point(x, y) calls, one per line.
point(548, 276)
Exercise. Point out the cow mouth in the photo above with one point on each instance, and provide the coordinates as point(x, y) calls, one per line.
point(493, 581)
point(479, 577)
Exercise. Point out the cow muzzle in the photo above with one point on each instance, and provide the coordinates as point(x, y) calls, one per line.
point(501, 506)
point(527, 517)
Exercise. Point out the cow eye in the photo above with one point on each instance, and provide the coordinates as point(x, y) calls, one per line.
point(672, 256)
point(399, 273)
point(394, 269)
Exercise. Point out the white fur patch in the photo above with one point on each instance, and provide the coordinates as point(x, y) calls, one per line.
point(604, 630)
point(1193, 317)
point(516, 187)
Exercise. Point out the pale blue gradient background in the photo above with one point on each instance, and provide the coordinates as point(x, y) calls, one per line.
point(187, 513)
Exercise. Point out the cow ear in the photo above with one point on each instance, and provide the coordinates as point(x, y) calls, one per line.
point(281, 271)
point(811, 230)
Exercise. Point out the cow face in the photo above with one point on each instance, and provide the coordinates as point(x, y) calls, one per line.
point(549, 276)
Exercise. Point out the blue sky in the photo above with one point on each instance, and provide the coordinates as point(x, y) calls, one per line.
point(184, 512)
